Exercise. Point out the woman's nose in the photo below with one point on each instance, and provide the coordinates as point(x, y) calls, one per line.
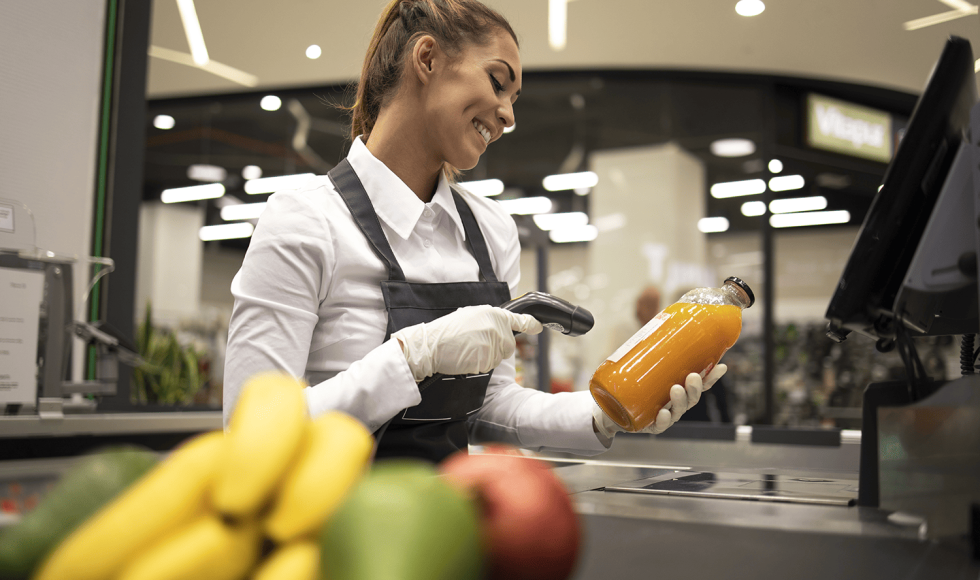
point(506, 114)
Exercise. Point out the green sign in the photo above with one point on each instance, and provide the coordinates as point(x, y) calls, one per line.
point(850, 129)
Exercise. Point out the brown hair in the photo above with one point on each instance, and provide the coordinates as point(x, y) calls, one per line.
point(451, 22)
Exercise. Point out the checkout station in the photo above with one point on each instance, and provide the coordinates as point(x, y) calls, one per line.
point(898, 499)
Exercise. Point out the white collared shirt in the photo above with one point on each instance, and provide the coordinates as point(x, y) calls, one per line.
point(308, 301)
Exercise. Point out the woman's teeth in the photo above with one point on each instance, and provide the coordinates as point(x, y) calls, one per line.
point(483, 131)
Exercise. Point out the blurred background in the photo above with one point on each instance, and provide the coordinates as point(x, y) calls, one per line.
point(699, 140)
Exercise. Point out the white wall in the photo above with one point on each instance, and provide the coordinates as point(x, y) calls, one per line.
point(170, 264)
point(50, 93)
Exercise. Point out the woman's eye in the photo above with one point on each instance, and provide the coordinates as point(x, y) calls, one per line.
point(496, 84)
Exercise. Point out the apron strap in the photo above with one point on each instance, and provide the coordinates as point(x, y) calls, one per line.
point(474, 238)
point(350, 188)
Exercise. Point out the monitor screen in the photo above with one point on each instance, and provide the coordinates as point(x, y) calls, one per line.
point(865, 296)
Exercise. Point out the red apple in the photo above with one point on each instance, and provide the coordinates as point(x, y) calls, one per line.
point(529, 527)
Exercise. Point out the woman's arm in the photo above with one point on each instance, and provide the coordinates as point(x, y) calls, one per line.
point(285, 277)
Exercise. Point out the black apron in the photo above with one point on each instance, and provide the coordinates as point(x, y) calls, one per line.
point(436, 427)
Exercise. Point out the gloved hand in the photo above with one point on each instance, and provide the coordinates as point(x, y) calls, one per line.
point(682, 398)
point(470, 340)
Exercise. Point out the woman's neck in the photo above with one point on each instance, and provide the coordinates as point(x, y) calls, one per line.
point(398, 140)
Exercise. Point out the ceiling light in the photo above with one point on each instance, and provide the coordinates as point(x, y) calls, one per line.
point(273, 184)
point(192, 29)
point(775, 166)
point(511, 128)
point(961, 8)
point(585, 233)
point(749, 7)
point(732, 147)
point(526, 205)
point(610, 222)
point(226, 232)
point(484, 187)
point(753, 208)
point(270, 103)
point(557, 23)
point(786, 182)
point(214, 67)
point(163, 122)
point(737, 188)
point(809, 218)
point(563, 181)
point(713, 224)
point(242, 211)
point(192, 193)
point(313, 52)
point(798, 204)
point(251, 172)
point(204, 172)
point(555, 221)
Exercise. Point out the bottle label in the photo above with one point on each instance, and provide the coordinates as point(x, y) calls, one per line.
point(641, 334)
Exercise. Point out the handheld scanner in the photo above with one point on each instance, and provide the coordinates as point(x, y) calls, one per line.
point(553, 312)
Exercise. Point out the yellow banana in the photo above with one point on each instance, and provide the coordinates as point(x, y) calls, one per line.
point(265, 434)
point(162, 501)
point(296, 561)
point(333, 459)
point(206, 549)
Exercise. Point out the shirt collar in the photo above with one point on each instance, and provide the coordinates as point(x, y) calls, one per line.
point(394, 202)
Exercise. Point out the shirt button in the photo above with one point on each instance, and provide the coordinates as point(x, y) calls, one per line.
point(427, 212)
point(427, 243)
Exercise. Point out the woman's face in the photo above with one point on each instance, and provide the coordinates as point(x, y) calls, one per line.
point(471, 100)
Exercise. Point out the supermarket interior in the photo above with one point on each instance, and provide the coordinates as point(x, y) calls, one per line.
point(274, 303)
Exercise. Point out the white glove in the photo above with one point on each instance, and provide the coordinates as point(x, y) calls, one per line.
point(470, 340)
point(682, 398)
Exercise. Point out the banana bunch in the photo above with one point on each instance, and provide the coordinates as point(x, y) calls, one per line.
point(225, 505)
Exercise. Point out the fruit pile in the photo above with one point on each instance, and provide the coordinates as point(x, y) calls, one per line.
point(280, 497)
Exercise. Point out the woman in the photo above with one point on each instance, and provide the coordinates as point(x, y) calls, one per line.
point(378, 281)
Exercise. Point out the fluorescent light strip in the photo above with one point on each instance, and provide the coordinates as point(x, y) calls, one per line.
point(192, 193)
point(226, 232)
point(710, 225)
point(786, 182)
point(798, 204)
point(510, 129)
point(192, 28)
point(564, 181)
point(484, 187)
point(737, 188)
point(526, 205)
point(216, 68)
point(206, 172)
point(753, 208)
point(557, 24)
point(242, 211)
point(279, 183)
point(810, 218)
point(585, 233)
point(938, 18)
point(163, 122)
point(555, 221)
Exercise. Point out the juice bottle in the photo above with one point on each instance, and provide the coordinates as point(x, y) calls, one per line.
point(689, 336)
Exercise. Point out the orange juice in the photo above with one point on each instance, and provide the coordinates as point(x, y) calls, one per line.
point(633, 384)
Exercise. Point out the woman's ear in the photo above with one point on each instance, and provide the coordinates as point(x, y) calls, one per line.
point(424, 56)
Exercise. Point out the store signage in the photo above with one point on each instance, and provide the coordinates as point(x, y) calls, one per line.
point(849, 129)
point(21, 292)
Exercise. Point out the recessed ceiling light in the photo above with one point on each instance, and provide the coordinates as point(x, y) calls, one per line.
point(753, 208)
point(510, 129)
point(313, 51)
point(732, 147)
point(750, 7)
point(713, 224)
point(775, 166)
point(163, 122)
point(206, 172)
point(251, 172)
point(270, 103)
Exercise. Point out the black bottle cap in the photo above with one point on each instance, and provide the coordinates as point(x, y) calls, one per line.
point(741, 284)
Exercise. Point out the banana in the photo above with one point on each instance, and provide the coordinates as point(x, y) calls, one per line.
point(206, 549)
point(333, 459)
point(164, 500)
point(265, 435)
point(296, 561)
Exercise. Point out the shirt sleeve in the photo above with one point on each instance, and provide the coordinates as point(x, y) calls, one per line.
point(278, 290)
point(524, 417)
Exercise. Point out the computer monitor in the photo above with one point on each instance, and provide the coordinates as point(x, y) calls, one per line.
point(908, 271)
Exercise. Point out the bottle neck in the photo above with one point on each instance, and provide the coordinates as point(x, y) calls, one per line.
point(737, 295)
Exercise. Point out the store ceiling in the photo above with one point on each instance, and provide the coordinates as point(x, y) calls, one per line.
point(634, 73)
